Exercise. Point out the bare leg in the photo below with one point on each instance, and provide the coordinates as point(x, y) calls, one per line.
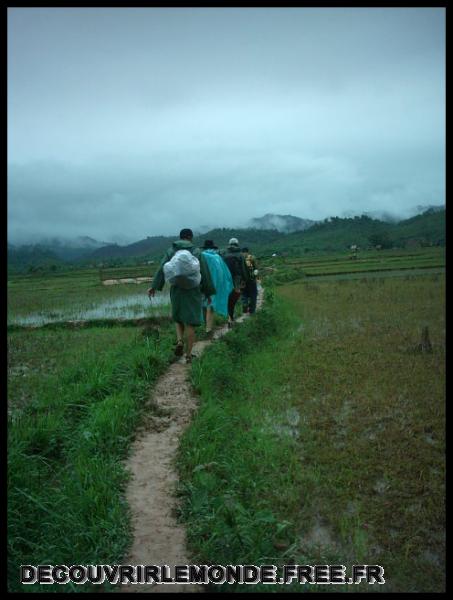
point(209, 319)
point(180, 331)
point(232, 299)
point(190, 339)
point(179, 348)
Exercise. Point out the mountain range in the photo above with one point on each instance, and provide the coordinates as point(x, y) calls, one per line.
point(270, 233)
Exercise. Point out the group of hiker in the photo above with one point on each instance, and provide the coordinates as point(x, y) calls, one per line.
point(205, 281)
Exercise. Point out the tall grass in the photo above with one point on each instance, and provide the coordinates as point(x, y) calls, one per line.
point(65, 446)
point(234, 460)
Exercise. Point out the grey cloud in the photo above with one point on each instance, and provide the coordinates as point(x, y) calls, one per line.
point(134, 121)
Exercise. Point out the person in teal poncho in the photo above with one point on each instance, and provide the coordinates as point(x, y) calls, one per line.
point(223, 283)
point(186, 304)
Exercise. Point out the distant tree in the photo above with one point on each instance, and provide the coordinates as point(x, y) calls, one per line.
point(380, 239)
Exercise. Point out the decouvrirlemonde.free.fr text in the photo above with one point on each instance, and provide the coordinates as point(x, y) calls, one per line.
point(201, 574)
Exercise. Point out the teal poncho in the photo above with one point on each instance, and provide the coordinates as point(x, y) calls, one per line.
point(222, 280)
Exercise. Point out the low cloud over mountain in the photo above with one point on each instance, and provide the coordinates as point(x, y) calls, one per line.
point(282, 223)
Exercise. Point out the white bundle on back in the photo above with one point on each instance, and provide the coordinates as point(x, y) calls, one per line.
point(183, 270)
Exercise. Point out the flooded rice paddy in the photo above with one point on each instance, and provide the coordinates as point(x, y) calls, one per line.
point(135, 306)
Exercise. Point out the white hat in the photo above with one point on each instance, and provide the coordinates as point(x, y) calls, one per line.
point(233, 241)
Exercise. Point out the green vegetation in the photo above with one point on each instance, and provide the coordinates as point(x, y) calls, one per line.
point(233, 464)
point(75, 399)
point(321, 433)
point(338, 234)
point(319, 438)
point(428, 228)
point(33, 259)
point(284, 269)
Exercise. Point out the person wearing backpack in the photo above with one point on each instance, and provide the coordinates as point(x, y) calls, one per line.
point(250, 290)
point(236, 263)
point(190, 279)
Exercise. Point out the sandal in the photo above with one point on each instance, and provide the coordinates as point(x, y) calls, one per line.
point(179, 348)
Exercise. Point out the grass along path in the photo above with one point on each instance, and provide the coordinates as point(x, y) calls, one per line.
point(158, 537)
point(74, 400)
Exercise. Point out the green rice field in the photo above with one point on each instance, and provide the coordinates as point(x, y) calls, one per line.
point(326, 442)
point(319, 439)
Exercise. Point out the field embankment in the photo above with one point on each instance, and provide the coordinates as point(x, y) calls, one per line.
point(320, 435)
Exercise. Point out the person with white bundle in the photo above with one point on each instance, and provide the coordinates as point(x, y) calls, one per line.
point(186, 270)
point(183, 270)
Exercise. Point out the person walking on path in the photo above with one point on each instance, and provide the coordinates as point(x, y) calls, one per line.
point(223, 283)
point(236, 263)
point(250, 290)
point(186, 303)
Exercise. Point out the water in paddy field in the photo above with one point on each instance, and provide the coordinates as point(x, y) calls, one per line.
point(136, 306)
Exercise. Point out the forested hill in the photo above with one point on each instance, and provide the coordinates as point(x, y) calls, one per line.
point(331, 234)
point(150, 246)
point(32, 258)
point(255, 238)
point(154, 246)
point(338, 234)
point(429, 226)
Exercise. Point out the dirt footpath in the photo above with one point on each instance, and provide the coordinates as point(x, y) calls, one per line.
point(157, 537)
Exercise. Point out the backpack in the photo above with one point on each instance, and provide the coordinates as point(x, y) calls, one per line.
point(183, 270)
point(250, 264)
point(234, 263)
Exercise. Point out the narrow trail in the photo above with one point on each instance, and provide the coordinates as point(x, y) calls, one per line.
point(158, 539)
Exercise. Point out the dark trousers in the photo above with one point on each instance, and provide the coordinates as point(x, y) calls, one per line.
point(249, 295)
point(232, 299)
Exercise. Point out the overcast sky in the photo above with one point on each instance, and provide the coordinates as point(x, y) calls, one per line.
point(129, 122)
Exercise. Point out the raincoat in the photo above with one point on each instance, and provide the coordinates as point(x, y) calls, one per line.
point(222, 280)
